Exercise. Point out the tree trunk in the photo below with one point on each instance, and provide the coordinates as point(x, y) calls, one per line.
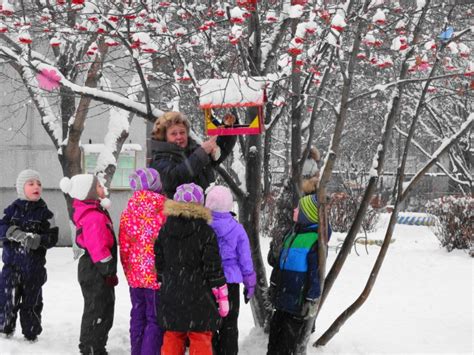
point(369, 191)
point(249, 212)
point(322, 254)
point(339, 322)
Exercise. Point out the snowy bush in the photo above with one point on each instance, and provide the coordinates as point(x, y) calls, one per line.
point(342, 212)
point(454, 226)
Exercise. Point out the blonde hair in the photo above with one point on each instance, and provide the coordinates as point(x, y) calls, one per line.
point(165, 121)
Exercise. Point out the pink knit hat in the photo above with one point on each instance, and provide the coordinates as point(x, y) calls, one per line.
point(219, 199)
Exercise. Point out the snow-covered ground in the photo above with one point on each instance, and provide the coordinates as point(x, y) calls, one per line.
point(422, 302)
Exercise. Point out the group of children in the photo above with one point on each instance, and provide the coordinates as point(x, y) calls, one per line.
point(184, 259)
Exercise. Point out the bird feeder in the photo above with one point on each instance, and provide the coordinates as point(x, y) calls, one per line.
point(232, 92)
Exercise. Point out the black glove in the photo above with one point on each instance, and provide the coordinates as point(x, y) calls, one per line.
point(107, 268)
point(15, 234)
point(111, 280)
point(310, 308)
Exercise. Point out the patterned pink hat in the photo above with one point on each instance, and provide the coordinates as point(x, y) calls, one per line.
point(189, 193)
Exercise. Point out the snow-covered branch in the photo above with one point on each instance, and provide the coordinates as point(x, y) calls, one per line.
point(109, 98)
point(447, 143)
point(384, 87)
point(117, 133)
point(421, 149)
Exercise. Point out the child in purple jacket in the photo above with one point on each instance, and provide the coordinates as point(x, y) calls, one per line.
point(237, 263)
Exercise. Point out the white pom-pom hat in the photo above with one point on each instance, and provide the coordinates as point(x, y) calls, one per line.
point(105, 203)
point(80, 187)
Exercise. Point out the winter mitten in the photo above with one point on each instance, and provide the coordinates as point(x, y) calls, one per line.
point(15, 234)
point(216, 153)
point(50, 238)
point(310, 308)
point(107, 266)
point(221, 294)
point(32, 241)
point(250, 281)
point(111, 280)
point(248, 293)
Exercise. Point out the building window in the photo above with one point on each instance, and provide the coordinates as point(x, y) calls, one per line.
point(126, 163)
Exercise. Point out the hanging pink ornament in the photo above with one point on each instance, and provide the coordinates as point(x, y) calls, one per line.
point(48, 79)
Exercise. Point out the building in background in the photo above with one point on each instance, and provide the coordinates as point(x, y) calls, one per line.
point(25, 144)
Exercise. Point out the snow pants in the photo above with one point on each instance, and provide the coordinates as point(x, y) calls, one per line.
point(146, 335)
point(20, 290)
point(98, 314)
point(285, 331)
point(174, 343)
point(226, 339)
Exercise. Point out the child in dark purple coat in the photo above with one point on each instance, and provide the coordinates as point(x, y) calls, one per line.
point(26, 233)
point(237, 263)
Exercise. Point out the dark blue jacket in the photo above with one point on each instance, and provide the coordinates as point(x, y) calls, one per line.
point(295, 276)
point(179, 166)
point(31, 217)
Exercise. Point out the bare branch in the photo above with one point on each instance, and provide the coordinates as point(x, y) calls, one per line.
point(420, 148)
point(435, 156)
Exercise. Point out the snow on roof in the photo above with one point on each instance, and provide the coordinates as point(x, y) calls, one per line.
point(235, 91)
point(99, 147)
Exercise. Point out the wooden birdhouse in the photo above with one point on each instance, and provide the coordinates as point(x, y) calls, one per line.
point(233, 92)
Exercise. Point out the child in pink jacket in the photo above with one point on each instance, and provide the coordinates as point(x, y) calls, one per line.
point(140, 224)
point(97, 269)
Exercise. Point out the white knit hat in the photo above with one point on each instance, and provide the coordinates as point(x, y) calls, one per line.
point(21, 180)
point(219, 199)
point(80, 187)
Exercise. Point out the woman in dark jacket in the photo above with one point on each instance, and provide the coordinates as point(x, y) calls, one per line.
point(179, 159)
point(189, 269)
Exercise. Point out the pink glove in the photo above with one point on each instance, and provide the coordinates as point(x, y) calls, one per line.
point(221, 295)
